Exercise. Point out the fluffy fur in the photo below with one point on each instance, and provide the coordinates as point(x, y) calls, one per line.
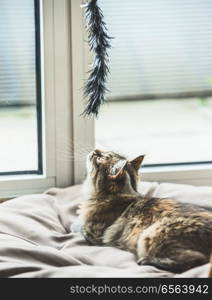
point(161, 232)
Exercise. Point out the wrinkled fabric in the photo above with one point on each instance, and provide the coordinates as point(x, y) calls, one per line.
point(36, 237)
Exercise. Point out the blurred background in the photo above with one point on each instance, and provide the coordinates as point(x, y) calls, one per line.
point(161, 80)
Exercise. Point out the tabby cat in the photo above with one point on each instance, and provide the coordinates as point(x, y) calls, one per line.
point(164, 233)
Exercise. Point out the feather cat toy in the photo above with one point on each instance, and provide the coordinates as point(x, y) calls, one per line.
point(99, 43)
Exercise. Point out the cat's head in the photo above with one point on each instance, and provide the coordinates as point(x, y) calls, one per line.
point(109, 172)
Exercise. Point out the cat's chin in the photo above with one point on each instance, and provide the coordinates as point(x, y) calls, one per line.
point(89, 164)
point(90, 156)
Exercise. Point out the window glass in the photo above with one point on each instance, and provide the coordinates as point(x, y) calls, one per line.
point(160, 81)
point(20, 95)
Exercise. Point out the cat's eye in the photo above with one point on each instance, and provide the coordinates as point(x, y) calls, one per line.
point(100, 159)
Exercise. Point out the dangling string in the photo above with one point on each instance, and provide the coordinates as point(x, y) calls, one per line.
point(99, 42)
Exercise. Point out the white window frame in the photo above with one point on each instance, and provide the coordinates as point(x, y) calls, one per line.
point(195, 174)
point(83, 128)
point(62, 56)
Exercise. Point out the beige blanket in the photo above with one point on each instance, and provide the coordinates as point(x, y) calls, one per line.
point(36, 239)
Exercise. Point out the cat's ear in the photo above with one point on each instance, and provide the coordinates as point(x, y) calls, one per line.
point(117, 171)
point(136, 162)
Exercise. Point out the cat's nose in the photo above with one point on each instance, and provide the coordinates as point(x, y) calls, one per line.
point(93, 153)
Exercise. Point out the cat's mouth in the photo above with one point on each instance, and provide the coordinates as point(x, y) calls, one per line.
point(91, 155)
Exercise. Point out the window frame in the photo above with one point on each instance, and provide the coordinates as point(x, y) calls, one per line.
point(194, 174)
point(83, 128)
point(57, 115)
point(39, 85)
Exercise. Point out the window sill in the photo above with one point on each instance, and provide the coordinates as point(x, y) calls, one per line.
point(14, 186)
point(188, 174)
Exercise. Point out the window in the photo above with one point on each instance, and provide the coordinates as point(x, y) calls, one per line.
point(59, 137)
point(36, 115)
point(160, 102)
point(20, 88)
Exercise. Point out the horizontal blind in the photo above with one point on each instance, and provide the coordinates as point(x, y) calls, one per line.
point(159, 46)
point(17, 52)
